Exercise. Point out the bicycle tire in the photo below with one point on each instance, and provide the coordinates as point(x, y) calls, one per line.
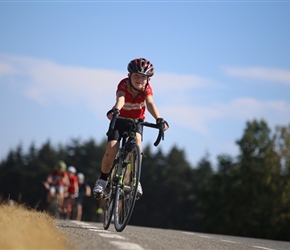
point(127, 192)
point(54, 206)
point(109, 200)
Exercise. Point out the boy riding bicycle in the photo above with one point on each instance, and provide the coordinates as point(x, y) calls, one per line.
point(134, 94)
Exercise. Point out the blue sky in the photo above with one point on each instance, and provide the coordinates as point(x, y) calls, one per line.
point(218, 64)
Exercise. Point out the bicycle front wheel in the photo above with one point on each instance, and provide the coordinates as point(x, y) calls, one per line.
point(109, 199)
point(127, 189)
point(54, 206)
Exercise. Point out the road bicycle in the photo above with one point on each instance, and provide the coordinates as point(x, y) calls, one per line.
point(120, 193)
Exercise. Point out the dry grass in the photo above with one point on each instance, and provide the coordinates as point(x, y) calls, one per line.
point(28, 229)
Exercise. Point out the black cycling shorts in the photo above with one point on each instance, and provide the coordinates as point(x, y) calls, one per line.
point(122, 126)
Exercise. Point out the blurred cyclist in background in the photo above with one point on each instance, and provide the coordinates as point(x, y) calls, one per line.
point(57, 182)
point(72, 192)
point(84, 190)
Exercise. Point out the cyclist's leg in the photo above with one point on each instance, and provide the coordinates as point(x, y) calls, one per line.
point(107, 161)
point(139, 140)
point(65, 204)
point(79, 211)
point(70, 206)
point(61, 198)
point(139, 143)
point(108, 158)
point(51, 194)
point(111, 150)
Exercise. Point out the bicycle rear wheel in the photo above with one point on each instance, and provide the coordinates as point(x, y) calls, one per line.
point(127, 189)
point(110, 194)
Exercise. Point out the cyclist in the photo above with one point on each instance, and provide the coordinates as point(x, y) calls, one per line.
point(133, 95)
point(57, 182)
point(72, 192)
point(84, 190)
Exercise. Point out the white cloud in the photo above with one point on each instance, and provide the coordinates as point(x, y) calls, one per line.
point(47, 82)
point(6, 69)
point(243, 109)
point(176, 82)
point(191, 117)
point(267, 74)
point(198, 118)
point(72, 84)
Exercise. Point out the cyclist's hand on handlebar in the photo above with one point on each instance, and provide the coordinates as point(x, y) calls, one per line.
point(165, 123)
point(111, 113)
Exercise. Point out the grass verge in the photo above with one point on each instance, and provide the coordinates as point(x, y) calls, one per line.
point(29, 229)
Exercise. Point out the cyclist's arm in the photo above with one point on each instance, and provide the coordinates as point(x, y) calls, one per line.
point(49, 179)
point(88, 190)
point(120, 101)
point(76, 185)
point(65, 180)
point(152, 107)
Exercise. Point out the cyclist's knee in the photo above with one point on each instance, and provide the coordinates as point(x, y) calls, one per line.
point(139, 140)
point(112, 149)
point(52, 191)
point(112, 145)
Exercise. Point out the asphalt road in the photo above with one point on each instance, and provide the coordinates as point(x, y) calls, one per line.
point(89, 235)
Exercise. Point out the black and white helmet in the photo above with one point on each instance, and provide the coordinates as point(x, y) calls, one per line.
point(141, 66)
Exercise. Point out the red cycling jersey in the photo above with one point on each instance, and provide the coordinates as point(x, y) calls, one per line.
point(134, 106)
point(58, 177)
point(72, 180)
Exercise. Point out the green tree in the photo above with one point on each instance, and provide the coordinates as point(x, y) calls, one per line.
point(281, 141)
point(10, 177)
point(259, 175)
point(219, 195)
point(201, 186)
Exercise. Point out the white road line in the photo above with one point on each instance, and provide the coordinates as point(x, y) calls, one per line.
point(189, 233)
point(99, 230)
point(80, 223)
point(112, 236)
point(89, 227)
point(107, 234)
point(200, 235)
point(203, 236)
point(266, 248)
point(229, 241)
point(84, 225)
point(126, 245)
